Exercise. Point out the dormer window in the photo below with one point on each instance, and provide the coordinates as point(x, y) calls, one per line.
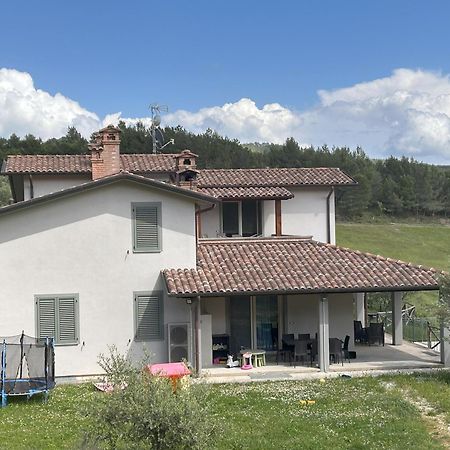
point(242, 218)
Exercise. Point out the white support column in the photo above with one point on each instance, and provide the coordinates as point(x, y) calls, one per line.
point(360, 312)
point(397, 322)
point(445, 345)
point(197, 335)
point(324, 345)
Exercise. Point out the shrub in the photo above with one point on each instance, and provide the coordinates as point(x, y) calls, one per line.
point(144, 412)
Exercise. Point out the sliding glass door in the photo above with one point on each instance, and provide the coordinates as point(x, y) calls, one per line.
point(266, 307)
point(254, 322)
point(240, 323)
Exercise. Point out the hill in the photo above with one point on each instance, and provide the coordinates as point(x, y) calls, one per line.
point(428, 245)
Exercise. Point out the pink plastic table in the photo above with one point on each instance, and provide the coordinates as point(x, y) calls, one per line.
point(173, 371)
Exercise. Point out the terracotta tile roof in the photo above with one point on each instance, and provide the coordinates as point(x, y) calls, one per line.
point(47, 164)
point(139, 163)
point(291, 265)
point(263, 193)
point(274, 177)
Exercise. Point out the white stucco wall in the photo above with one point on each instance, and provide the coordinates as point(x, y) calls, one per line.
point(306, 213)
point(44, 184)
point(210, 220)
point(217, 308)
point(302, 315)
point(303, 215)
point(268, 217)
point(83, 244)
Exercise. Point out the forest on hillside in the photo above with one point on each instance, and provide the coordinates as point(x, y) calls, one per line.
point(400, 187)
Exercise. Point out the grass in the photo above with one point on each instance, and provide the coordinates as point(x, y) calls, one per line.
point(427, 245)
point(420, 244)
point(345, 414)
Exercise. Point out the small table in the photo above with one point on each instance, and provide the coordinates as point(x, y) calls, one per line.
point(258, 356)
point(173, 371)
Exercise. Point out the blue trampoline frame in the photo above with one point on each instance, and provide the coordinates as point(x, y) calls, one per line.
point(47, 384)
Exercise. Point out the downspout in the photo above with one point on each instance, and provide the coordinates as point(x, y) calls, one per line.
point(31, 186)
point(13, 191)
point(328, 215)
point(198, 223)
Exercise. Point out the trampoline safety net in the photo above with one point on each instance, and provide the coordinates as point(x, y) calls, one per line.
point(27, 366)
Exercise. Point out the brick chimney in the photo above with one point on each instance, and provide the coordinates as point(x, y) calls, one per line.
point(105, 152)
point(186, 160)
point(186, 163)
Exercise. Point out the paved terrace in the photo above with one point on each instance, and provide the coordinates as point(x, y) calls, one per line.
point(371, 360)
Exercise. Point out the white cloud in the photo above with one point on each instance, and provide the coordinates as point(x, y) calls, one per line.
point(406, 113)
point(27, 110)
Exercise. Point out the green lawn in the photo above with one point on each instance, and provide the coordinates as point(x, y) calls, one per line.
point(345, 414)
point(428, 245)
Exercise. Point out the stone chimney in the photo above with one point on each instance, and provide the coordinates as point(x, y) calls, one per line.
point(105, 152)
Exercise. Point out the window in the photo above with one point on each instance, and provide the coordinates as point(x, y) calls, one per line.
point(148, 316)
point(146, 227)
point(230, 218)
point(57, 317)
point(242, 218)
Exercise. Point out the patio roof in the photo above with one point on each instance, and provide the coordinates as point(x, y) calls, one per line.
point(289, 265)
point(253, 192)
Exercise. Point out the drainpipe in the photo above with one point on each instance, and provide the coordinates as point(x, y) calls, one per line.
point(328, 215)
point(198, 222)
point(30, 178)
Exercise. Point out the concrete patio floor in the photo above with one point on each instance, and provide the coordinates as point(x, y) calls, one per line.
point(369, 360)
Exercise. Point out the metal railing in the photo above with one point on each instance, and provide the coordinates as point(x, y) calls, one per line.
point(415, 329)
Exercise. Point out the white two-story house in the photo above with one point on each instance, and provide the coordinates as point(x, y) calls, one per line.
point(150, 254)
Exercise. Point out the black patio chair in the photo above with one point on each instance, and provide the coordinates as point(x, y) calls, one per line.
point(300, 351)
point(313, 350)
point(304, 336)
point(335, 349)
point(375, 333)
point(287, 348)
point(360, 333)
point(345, 353)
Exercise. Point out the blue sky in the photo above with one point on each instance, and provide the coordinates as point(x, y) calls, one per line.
point(112, 57)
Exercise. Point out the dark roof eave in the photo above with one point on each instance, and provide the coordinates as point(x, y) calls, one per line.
point(306, 291)
point(231, 199)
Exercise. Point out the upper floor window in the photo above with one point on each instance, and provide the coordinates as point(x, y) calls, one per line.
point(242, 218)
point(146, 227)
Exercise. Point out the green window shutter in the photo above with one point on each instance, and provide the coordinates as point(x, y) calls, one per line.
point(57, 317)
point(148, 310)
point(67, 320)
point(46, 317)
point(147, 227)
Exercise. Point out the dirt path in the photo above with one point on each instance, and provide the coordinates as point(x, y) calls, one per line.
point(435, 422)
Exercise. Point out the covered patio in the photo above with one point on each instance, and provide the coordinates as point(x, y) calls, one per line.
point(370, 360)
point(297, 286)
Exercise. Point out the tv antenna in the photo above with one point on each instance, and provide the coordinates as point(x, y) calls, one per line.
point(157, 134)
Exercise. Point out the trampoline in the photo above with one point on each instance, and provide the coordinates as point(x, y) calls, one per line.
point(27, 366)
